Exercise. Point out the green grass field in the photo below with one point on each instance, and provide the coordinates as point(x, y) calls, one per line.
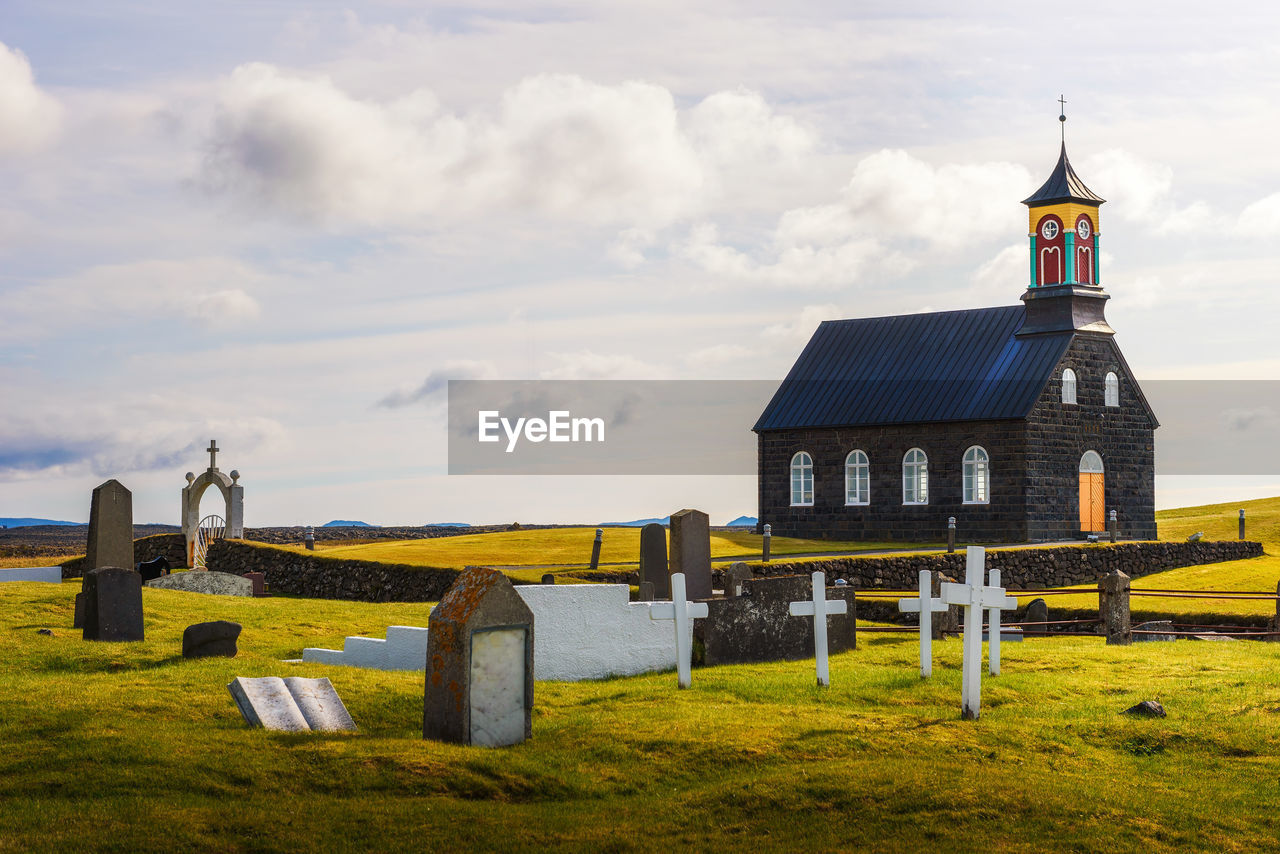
point(130, 748)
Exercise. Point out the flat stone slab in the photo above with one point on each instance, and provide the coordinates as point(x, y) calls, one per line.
point(213, 583)
point(51, 574)
point(1011, 634)
point(1161, 626)
point(292, 704)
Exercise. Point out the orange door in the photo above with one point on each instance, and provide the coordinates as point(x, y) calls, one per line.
point(1092, 502)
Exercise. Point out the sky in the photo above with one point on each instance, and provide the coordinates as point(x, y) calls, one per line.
point(286, 225)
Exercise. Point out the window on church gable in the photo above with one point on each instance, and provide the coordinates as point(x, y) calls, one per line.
point(857, 479)
point(915, 477)
point(1112, 389)
point(977, 474)
point(1068, 386)
point(802, 480)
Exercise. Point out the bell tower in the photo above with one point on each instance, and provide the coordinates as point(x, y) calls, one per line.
point(1064, 293)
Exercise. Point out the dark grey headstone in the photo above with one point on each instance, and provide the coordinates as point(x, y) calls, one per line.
point(207, 640)
point(734, 577)
point(1146, 709)
point(548, 578)
point(944, 622)
point(1163, 631)
point(153, 568)
point(691, 551)
point(479, 685)
point(113, 604)
point(77, 622)
point(645, 593)
point(1037, 612)
point(758, 626)
point(653, 559)
point(110, 527)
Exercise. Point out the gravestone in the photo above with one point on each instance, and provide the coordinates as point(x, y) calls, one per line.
point(691, 551)
point(1113, 608)
point(945, 622)
point(645, 592)
point(757, 625)
point(734, 577)
point(1162, 630)
point(212, 639)
point(1037, 612)
point(653, 559)
point(207, 582)
point(153, 568)
point(479, 681)
point(292, 704)
point(110, 527)
point(113, 604)
point(259, 582)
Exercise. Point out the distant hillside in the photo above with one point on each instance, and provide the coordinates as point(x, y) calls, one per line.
point(447, 525)
point(635, 523)
point(343, 523)
point(6, 522)
point(743, 522)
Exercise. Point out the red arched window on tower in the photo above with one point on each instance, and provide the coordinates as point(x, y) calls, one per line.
point(1084, 250)
point(1051, 264)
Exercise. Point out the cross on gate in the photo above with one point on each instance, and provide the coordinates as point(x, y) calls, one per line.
point(680, 610)
point(819, 609)
point(926, 605)
point(974, 597)
point(213, 454)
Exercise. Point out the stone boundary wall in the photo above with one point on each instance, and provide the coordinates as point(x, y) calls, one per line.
point(319, 577)
point(171, 546)
point(1020, 569)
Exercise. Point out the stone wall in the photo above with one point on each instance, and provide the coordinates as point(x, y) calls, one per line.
point(1020, 569)
point(319, 577)
point(171, 546)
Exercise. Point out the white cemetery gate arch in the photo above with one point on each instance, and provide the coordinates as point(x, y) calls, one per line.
point(232, 495)
point(211, 528)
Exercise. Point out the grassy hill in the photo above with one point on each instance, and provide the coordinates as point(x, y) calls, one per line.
point(129, 747)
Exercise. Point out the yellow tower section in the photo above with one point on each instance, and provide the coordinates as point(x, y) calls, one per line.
point(1063, 229)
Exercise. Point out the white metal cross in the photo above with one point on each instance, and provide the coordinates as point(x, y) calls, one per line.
point(974, 598)
point(926, 605)
point(680, 611)
point(819, 609)
point(993, 625)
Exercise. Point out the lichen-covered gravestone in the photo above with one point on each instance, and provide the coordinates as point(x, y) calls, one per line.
point(479, 685)
point(691, 551)
point(653, 559)
point(113, 604)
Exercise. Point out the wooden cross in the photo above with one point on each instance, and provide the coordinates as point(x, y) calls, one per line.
point(974, 598)
point(213, 454)
point(926, 605)
point(680, 611)
point(819, 609)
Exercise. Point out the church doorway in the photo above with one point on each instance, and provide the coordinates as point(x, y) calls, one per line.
point(1093, 502)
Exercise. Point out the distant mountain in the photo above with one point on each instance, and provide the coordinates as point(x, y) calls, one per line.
point(27, 523)
point(447, 525)
point(743, 522)
point(635, 523)
point(343, 523)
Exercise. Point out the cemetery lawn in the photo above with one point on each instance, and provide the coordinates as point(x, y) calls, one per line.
point(129, 747)
point(568, 547)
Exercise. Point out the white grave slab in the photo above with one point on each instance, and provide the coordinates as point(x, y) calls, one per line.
point(51, 574)
point(585, 631)
point(974, 597)
point(926, 606)
point(818, 609)
point(497, 687)
point(293, 704)
point(681, 612)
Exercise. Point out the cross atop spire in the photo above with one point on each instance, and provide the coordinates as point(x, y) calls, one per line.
point(1062, 117)
point(213, 454)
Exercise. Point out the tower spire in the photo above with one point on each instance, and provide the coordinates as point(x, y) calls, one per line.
point(1062, 119)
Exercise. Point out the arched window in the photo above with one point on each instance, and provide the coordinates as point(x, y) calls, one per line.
point(1112, 389)
point(802, 480)
point(915, 477)
point(977, 476)
point(1068, 386)
point(857, 479)
point(1091, 463)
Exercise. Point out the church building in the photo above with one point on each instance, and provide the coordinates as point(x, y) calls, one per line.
point(1023, 422)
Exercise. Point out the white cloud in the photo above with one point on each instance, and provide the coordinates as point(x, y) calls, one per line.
point(437, 382)
point(1261, 218)
point(802, 327)
point(555, 145)
point(1142, 191)
point(590, 365)
point(718, 354)
point(223, 308)
point(29, 117)
point(896, 213)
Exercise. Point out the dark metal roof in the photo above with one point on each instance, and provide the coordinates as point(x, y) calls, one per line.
point(1064, 185)
point(916, 368)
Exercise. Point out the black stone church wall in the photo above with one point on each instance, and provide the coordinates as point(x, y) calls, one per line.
point(1059, 434)
point(886, 518)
